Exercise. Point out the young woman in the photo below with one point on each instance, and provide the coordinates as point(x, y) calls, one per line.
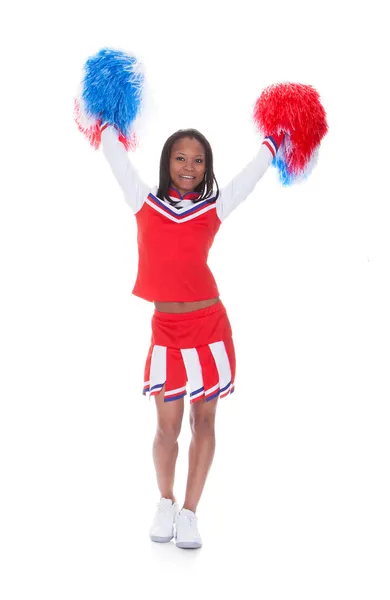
point(191, 333)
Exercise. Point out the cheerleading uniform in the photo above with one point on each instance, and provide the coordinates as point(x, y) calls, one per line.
point(174, 239)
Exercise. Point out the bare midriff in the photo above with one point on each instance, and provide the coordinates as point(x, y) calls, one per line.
point(183, 307)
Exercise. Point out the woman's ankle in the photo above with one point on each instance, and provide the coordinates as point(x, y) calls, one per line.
point(170, 497)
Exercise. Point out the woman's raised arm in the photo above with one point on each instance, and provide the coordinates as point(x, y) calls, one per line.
point(135, 191)
point(243, 184)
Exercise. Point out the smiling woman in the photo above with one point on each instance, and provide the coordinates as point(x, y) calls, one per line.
point(187, 164)
point(187, 152)
point(191, 351)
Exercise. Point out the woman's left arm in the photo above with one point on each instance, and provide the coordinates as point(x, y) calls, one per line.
point(243, 184)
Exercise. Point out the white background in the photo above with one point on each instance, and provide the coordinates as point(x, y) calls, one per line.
point(296, 502)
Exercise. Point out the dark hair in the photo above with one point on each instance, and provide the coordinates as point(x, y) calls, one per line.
point(205, 188)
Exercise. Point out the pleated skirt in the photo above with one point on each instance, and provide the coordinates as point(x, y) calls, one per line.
point(192, 353)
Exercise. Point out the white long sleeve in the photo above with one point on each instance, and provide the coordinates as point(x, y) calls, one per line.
point(242, 184)
point(135, 191)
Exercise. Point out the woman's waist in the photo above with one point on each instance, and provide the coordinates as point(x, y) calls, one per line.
point(184, 307)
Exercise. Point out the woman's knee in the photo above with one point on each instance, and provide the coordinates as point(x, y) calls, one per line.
point(168, 433)
point(202, 418)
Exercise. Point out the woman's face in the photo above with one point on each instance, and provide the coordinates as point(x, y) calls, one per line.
point(187, 164)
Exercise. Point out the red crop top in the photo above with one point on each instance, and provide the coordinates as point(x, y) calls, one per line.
point(174, 241)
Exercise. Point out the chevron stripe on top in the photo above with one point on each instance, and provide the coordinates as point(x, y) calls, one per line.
point(180, 214)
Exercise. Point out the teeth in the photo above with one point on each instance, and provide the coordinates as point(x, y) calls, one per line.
point(186, 177)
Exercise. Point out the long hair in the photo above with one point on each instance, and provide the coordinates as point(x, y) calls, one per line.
point(206, 186)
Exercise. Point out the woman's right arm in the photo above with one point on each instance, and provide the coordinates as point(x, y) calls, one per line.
point(135, 191)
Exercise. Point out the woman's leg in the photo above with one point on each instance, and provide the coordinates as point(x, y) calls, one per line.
point(201, 451)
point(165, 445)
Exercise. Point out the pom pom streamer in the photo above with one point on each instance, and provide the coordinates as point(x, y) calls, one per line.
point(294, 109)
point(111, 92)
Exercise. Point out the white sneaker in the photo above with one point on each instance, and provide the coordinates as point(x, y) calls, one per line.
point(162, 527)
point(187, 534)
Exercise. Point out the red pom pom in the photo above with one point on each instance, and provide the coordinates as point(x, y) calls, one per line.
point(295, 109)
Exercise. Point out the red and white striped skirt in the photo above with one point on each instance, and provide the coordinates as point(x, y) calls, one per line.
point(195, 348)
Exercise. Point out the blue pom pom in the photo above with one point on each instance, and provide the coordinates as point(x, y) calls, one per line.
point(282, 164)
point(284, 175)
point(112, 88)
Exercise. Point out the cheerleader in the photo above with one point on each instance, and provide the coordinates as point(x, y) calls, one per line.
point(191, 342)
point(191, 333)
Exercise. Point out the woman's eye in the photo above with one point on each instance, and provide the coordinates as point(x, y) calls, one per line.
point(198, 160)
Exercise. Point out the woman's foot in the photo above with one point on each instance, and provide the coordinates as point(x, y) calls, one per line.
point(162, 529)
point(187, 534)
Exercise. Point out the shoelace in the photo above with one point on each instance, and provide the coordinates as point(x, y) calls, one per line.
point(189, 518)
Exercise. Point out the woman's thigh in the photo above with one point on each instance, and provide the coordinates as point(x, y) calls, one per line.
point(169, 414)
